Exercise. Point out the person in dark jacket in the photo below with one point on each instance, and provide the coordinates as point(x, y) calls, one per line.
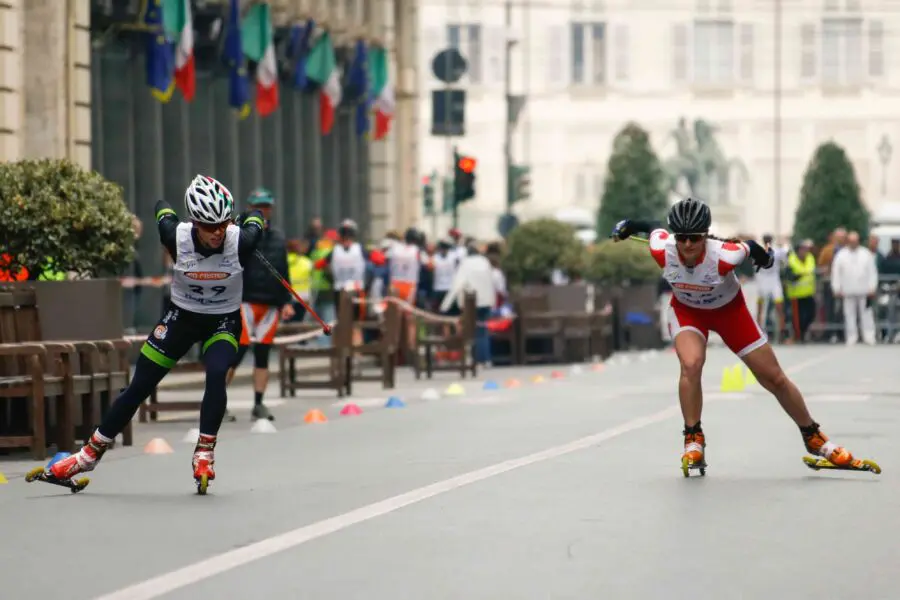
point(265, 302)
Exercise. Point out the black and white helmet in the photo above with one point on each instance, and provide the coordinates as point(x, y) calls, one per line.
point(689, 216)
point(208, 201)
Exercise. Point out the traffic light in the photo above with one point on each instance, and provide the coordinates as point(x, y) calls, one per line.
point(428, 193)
point(519, 183)
point(464, 177)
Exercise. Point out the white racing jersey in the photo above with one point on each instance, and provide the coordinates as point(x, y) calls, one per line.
point(348, 266)
point(444, 271)
point(207, 285)
point(712, 282)
point(773, 274)
point(405, 262)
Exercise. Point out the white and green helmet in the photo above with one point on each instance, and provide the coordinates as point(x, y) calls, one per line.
point(208, 201)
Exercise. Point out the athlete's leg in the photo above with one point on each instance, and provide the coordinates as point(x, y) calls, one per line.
point(170, 340)
point(764, 365)
point(261, 380)
point(690, 346)
point(238, 359)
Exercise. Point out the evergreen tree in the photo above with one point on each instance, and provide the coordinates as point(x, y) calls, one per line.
point(830, 197)
point(635, 186)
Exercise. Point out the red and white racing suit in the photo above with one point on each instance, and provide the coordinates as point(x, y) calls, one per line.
point(708, 297)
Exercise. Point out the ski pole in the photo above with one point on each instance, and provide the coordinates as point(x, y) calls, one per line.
point(326, 329)
point(639, 239)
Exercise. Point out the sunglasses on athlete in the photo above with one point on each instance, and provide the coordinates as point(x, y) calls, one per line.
point(212, 227)
point(689, 237)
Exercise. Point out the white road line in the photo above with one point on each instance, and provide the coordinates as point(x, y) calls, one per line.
point(215, 565)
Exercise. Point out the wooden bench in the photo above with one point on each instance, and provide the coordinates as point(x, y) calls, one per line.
point(338, 356)
point(384, 349)
point(460, 342)
point(63, 371)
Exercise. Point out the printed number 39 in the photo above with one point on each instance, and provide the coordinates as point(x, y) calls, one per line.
point(216, 289)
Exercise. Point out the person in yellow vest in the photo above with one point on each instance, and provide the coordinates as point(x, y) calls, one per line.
point(800, 288)
point(300, 271)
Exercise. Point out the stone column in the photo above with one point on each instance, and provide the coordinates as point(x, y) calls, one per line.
point(57, 81)
point(11, 54)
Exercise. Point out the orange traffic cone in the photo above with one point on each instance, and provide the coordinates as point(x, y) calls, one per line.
point(158, 446)
point(513, 383)
point(315, 416)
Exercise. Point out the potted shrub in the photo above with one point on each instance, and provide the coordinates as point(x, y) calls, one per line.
point(534, 249)
point(55, 218)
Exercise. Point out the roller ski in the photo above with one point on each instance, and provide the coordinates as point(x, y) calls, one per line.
point(694, 457)
point(203, 462)
point(828, 455)
point(63, 471)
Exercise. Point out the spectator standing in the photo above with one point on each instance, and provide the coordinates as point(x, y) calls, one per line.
point(300, 269)
point(854, 280)
point(265, 302)
point(475, 274)
point(800, 288)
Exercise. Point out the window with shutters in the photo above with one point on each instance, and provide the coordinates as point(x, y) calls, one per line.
point(807, 51)
point(713, 53)
point(467, 38)
point(588, 56)
point(747, 65)
point(876, 49)
point(842, 51)
point(622, 47)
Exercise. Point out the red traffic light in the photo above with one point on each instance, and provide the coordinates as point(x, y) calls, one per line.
point(426, 180)
point(467, 164)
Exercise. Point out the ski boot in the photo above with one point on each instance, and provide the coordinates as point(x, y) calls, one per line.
point(61, 472)
point(828, 455)
point(694, 457)
point(204, 461)
point(260, 411)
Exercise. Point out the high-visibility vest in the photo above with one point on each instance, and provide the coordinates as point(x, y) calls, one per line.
point(804, 284)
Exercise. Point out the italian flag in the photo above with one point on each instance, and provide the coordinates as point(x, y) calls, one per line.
point(321, 67)
point(382, 91)
point(179, 25)
point(259, 46)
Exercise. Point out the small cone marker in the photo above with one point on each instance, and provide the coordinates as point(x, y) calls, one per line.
point(191, 436)
point(455, 390)
point(57, 457)
point(430, 394)
point(351, 410)
point(557, 375)
point(263, 426)
point(513, 383)
point(597, 367)
point(3, 479)
point(731, 381)
point(490, 385)
point(158, 446)
point(394, 402)
point(537, 379)
point(576, 370)
point(315, 416)
point(750, 379)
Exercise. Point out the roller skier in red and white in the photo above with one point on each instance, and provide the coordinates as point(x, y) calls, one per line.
point(707, 297)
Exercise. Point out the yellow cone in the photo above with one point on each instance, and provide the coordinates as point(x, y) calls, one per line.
point(750, 378)
point(455, 390)
point(732, 381)
point(3, 478)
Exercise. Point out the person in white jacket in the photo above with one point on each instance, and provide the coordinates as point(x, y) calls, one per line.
point(854, 279)
point(475, 274)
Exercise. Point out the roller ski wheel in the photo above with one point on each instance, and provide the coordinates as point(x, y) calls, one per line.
point(817, 463)
point(687, 466)
point(41, 474)
point(202, 484)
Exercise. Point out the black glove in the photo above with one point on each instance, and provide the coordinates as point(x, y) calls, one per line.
point(763, 258)
point(623, 230)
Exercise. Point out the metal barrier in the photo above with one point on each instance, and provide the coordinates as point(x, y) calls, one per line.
point(829, 321)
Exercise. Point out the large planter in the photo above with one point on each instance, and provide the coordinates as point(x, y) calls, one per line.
point(83, 309)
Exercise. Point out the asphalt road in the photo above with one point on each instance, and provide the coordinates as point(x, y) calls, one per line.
point(570, 488)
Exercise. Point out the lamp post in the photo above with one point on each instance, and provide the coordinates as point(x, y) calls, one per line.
point(884, 154)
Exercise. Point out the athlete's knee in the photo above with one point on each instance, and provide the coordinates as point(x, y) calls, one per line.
point(692, 365)
point(261, 356)
point(219, 359)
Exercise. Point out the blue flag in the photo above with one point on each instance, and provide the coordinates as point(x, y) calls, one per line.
point(160, 53)
point(358, 82)
point(238, 86)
